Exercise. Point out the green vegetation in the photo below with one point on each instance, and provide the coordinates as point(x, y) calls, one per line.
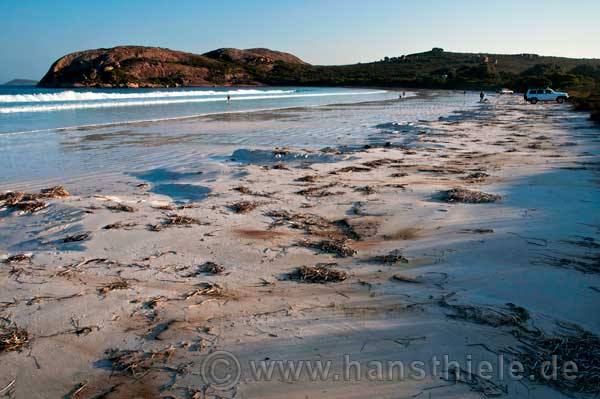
point(437, 69)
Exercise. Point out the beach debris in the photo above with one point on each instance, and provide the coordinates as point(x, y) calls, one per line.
point(399, 174)
point(119, 225)
point(320, 273)
point(308, 222)
point(477, 176)
point(176, 220)
point(376, 163)
point(367, 190)
point(247, 191)
point(17, 258)
point(119, 284)
point(468, 196)
point(280, 166)
point(477, 231)
point(206, 289)
point(495, 316)
point(309, 178)
point(393, 258)
point(120, 207)
point(244, 206)
point(53, 192)
point(571, 344)
point(405, 279)
point(347, 169)
point(12, 197)
point(77, 237)
point(12, 337)
point(28, 206)
point(336, 246)
point(143, 185)
point(135, 363)
point(211, 268)
point(319, 191)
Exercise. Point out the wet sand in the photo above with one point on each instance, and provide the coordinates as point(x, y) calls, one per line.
point(423, 274)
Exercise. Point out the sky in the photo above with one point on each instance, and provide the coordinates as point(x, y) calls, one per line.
point(34, 33)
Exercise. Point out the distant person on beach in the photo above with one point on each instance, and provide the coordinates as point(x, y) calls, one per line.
point(403, 94)
point(228, 98)
point(481, 96)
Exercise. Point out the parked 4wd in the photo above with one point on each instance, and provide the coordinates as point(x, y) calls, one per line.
point(547, 94)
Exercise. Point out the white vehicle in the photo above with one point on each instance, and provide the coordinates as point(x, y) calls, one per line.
point(547, 94)
point(505, 91)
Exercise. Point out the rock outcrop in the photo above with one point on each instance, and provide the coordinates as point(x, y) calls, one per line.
point(138, 66)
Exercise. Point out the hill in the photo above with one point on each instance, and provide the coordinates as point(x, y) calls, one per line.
point(21, 82)
point(137, 66)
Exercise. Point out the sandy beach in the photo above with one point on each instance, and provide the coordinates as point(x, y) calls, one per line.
point(472, 233)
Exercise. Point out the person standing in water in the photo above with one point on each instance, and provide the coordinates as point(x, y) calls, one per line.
point(228, 99)
point(481, 97)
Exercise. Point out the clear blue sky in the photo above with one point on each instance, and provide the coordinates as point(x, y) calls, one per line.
point(34, 33)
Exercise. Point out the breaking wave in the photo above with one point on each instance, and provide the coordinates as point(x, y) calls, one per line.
point(72, 95)
point(115, 104)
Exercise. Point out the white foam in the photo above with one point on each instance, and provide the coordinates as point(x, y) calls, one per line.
point(71, 95)
point(117, 104)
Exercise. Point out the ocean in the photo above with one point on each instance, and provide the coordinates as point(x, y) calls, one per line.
point(57, 136)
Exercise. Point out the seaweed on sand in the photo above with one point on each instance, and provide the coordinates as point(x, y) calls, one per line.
point(463, 195)
point(393, 258)
point(309, 178)
point(135, 363)
point(28, 206)
point(244, 206)
point(121, 208)
point(308, 222)
point(495, 316)
point(212, 268)
point(17, 258)
point(119, 225)
point(113, 285)
point(338, 247)
point(571, 345)
point(12, 337)
point(176, 220)
point(76, 237)
point(319, 191)
point(347, 169)
point(247, 191)
point(206, 289)
point(367, 190)
point(320, 273)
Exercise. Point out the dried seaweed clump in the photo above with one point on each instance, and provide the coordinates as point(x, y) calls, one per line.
point(31, 202)
point(468, 196)
point(308, 222)
point(495, 316)
point(76, 237)
point(319, 191)
point(393, 258)
point(28, 206)
point(318, 274)
point(309, 178)
point(53, 192)
point(176, 220)
point(119, 225)
point(121, 208)
point(347, 169)
point(244, 206)
point(135, 363)
point(573, 345)
point(339, 247)
point(17, 258)
point(12, 337)
point(206, 289)
point(113, 285)
point(212, 268)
